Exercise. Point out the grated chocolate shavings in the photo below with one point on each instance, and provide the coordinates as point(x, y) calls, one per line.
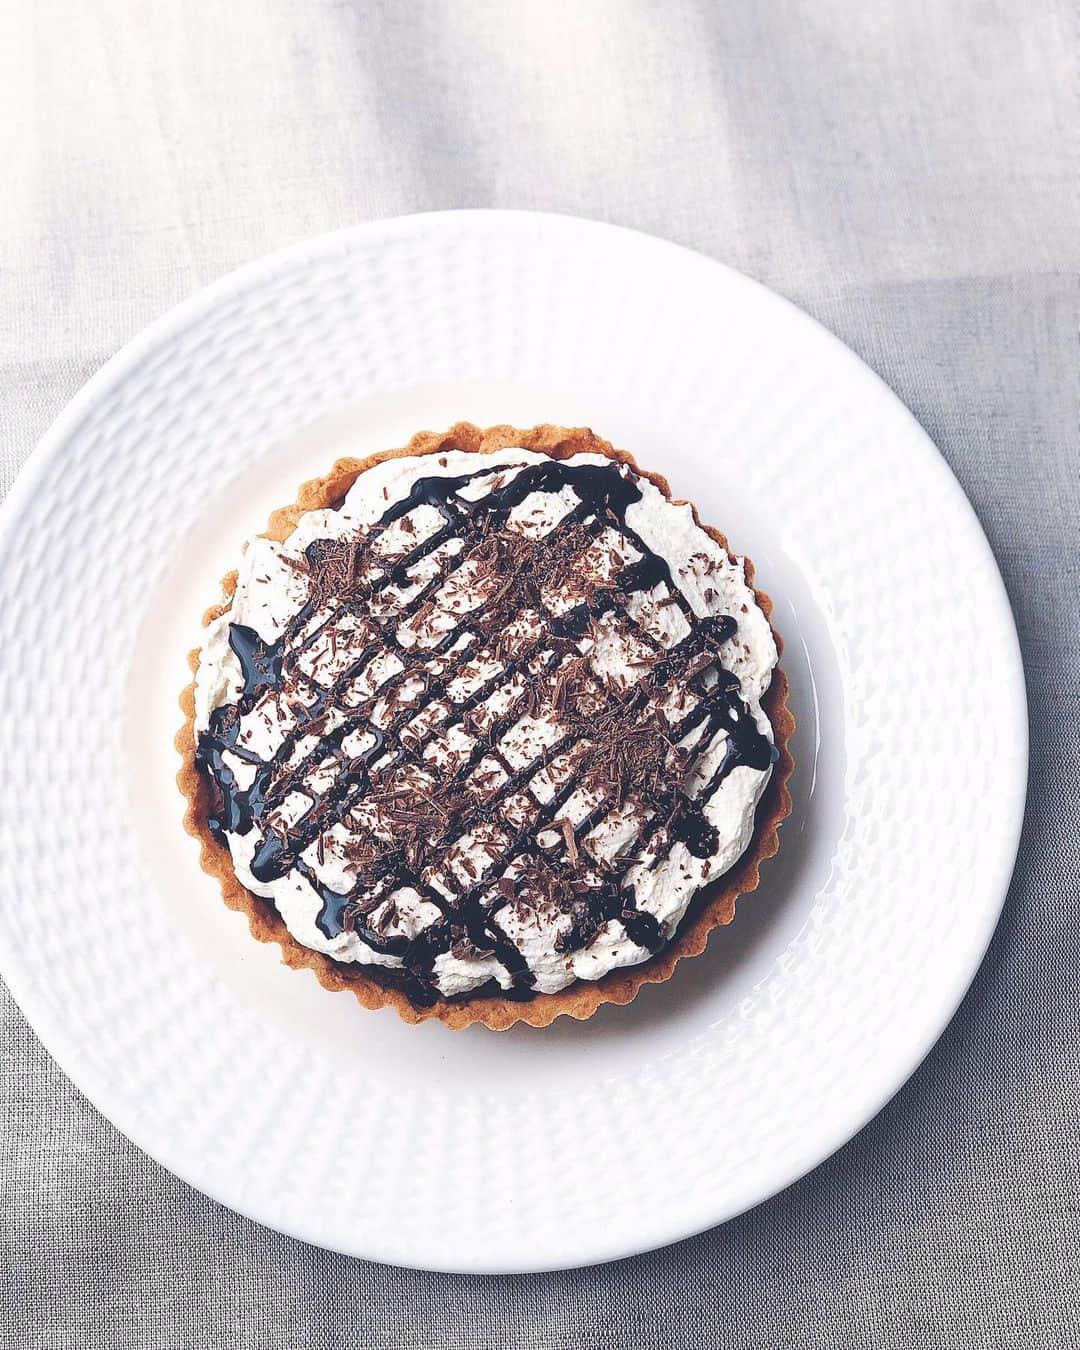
point(542, 608)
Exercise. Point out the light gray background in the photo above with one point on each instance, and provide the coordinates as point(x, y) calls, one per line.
point(905, 170)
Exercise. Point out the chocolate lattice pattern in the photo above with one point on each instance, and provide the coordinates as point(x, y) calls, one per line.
point(451, 738)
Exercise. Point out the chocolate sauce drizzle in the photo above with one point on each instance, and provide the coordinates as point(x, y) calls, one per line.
point(614, 739)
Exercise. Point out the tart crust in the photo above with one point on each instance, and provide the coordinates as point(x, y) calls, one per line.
point(713, 907)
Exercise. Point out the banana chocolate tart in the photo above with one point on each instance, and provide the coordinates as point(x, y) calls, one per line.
point(487, 729)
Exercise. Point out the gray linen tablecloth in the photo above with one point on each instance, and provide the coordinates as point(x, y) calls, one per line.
point(903, 170)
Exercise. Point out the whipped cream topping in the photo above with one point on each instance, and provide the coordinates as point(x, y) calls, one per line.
point(494, 721)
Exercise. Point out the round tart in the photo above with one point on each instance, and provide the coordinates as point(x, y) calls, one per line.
point(487, 729)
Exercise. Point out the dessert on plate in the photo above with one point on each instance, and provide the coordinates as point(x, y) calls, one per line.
point(488, 729)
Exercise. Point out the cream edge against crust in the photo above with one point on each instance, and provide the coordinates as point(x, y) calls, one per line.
point(269, 592)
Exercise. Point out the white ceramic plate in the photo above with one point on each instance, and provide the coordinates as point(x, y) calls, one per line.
point(476, 1151)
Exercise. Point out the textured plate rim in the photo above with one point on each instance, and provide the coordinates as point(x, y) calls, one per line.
point(654, 1232)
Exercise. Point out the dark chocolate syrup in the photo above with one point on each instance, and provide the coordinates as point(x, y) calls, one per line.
point(605, 492)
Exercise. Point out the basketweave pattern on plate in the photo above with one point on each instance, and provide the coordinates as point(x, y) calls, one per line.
point(468, 299)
